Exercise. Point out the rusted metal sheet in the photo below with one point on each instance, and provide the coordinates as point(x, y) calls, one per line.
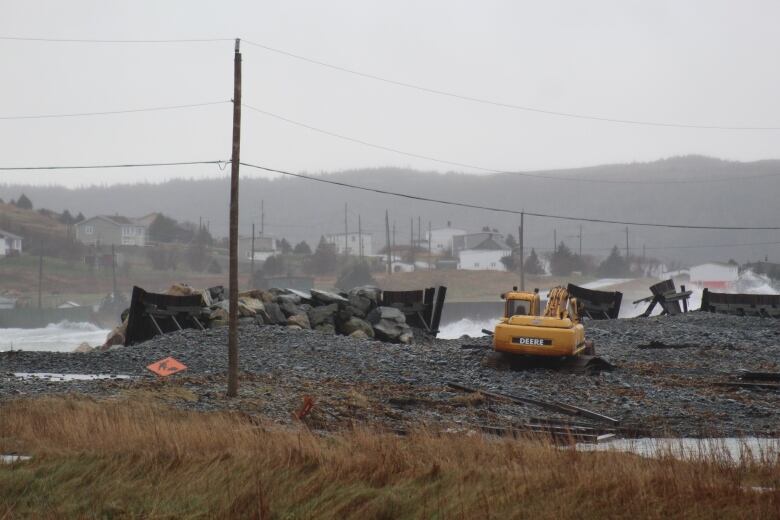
point(422, 308)
point(152, 314)
point(766, 305)
point(597, 305)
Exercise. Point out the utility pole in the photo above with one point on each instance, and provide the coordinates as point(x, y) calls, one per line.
point(430, 256)
point(389, 246)
point(346, 232)
point(360, 238)
point(262, 217)
point(411, 243)
point(394, 235)
point(232, 379)
point(555, 240)
point(40, 275)
point(252, 259)
point(113, 272)
point(419, 229)
point(627, 251)
point(520, 233)
point(580, 239)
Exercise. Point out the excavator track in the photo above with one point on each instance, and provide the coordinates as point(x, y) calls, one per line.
point(582, 364)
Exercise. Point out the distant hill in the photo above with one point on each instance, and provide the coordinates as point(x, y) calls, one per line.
point(735, 193)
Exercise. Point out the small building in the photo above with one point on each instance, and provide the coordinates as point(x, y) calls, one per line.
point(112, 230)
point(264, 248)
point(482, 259)
point(481, 251)
point(352, 243)
point(7, 303)
point(714, 275)
point(10, 244)
point(441, 239)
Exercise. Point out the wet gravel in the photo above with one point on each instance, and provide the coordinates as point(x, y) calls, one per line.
point(663, 391)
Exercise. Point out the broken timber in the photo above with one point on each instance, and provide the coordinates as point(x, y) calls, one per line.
point(764, 305)
point(666, 295)
point(422, 308)
point(548, 405)
point(152, 314)
point(597, 305)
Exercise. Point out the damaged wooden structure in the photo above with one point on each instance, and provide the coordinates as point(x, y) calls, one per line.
point(422, 308)
point(763, 305)
point(151, 314)
point(597, 305)
point(665, 294)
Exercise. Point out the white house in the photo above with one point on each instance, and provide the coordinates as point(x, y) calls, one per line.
point(10, 244)
point(265, 247)
point(714, 275)
point(441, 239)
point(351, 243)
point(482, 259)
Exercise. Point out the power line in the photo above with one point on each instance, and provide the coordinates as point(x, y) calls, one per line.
point(503, 210)
point(490, 170)
point(484, 101)
point(101, 166)
point(88, 40)
point(111, 112)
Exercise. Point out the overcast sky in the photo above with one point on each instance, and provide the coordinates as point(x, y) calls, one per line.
point(696, 62)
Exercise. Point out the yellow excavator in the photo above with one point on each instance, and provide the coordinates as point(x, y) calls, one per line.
point(525, 335)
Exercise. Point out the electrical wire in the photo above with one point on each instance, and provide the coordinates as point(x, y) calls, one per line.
point(485, 101)
point(111, 112)
point(101, 166)
point(490, 170)
point(504, 210)
point(87, 40)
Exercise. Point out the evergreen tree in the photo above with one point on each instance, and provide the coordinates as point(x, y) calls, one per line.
point(285, 247)
point(79, 218)
point(324, 259)
point(615, 265)
point(66, 217)
point(532, 264)
point(563, 261)
point(510, 241)
point(302, 248)
point(24, 203)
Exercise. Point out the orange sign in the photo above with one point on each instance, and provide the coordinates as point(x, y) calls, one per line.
point(167, 366)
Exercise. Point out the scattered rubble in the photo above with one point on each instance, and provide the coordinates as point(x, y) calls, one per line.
point(352, 380)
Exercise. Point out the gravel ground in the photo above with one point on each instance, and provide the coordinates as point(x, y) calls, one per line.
point(660, 391)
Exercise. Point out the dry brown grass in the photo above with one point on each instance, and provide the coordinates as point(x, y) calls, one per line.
point(139, 459)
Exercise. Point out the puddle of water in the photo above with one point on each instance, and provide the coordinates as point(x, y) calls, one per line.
point(723, 449)
point(68, 377)
point(10, 459)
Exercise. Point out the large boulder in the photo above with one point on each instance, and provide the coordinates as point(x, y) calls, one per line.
point(274, 315)
point(248, 307)
point(287, 298)
point(386, 313)
point(325, 314)
point(289, 308)
point(326, 328)
point(389, 324)
point(299, 320)
point(353, 325)
point(327, 298)
point(365, 298)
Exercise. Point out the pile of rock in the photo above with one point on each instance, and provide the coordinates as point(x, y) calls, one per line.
point(356, 313)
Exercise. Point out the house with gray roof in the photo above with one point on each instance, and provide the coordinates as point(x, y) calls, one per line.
point(112, 230)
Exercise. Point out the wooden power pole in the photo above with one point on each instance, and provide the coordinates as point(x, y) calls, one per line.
point(113, 272)
point(40, 275)
point(627, 251)
point(520, 233)
point(232, 380)
point(389, 244)
point(252, 259)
